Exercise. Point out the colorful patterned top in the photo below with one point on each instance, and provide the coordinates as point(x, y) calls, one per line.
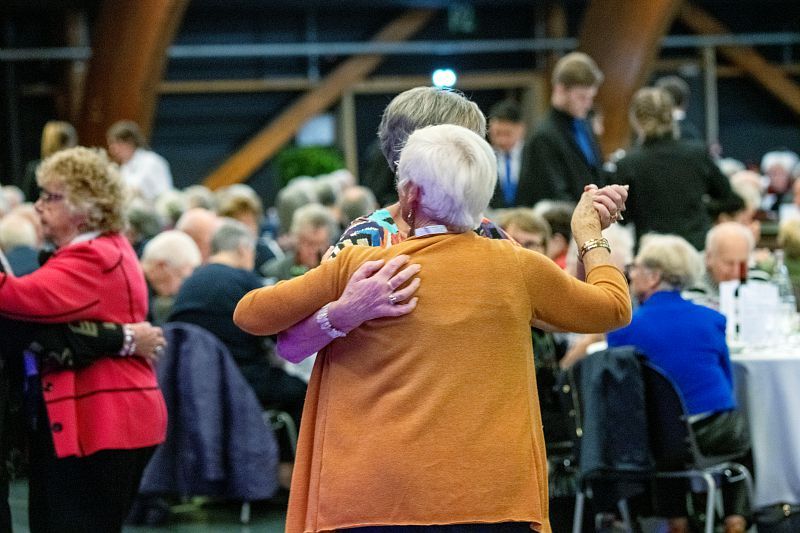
point(379, 230)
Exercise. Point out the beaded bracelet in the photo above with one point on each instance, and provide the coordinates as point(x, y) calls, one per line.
point(591, 244)
point(128, 342)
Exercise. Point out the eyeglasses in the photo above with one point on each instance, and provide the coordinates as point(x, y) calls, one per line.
point(50, 197)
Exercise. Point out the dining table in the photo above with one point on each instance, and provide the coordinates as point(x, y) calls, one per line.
point(767, 383)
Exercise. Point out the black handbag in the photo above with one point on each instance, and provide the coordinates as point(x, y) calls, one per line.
point(780, 518)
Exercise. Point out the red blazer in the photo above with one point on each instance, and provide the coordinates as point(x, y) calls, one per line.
point(115, 403)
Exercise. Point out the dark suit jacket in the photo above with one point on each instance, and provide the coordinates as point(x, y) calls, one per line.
point(553, 166)
point(674, 188)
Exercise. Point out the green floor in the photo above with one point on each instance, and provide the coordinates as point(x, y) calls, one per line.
point(188, 518)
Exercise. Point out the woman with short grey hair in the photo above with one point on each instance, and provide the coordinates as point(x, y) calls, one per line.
point(390, 399)
point(677, 261)
point(425, 106)
point(687, 341)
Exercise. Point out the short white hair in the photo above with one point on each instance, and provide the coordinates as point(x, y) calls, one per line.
point(785, 159)
point(16, 230)
point(173, 247)
point(456, 171)
point(677, 260)
point(721, 234)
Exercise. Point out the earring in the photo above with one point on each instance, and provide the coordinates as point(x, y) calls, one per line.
point(410, 215)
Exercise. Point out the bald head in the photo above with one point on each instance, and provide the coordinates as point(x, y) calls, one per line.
point(200, 224)
point(728, 246)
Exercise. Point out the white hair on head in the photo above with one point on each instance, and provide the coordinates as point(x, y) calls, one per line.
point(456, 171)
point(173, 247)
point(785, 159)
point(722, 234)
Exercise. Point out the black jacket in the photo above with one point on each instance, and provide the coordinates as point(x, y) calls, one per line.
point(675, 187)
point(553, 166)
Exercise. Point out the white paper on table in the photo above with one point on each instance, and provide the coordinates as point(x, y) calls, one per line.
point(756, 310)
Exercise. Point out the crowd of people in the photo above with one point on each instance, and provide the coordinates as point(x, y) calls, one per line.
point(416, 342)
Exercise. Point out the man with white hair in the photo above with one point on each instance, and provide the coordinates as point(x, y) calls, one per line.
point(168, 259)
point(208, 297)
point(727, 256)
point(778, 167)
point(18, 241)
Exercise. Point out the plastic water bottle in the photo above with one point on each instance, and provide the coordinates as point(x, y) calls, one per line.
point(788, 302)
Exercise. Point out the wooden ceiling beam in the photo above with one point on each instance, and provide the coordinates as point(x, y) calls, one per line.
point(267, 142)
point(624, 38)
point(772, 78)
point(129, 54)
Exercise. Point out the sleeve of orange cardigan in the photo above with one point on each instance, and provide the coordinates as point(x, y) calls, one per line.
point(600, 304)
point(270, 310)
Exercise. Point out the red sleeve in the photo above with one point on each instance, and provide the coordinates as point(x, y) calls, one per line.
point(63, 289)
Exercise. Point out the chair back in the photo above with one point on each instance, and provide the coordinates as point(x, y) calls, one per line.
point(217, 443)
point(671, 440)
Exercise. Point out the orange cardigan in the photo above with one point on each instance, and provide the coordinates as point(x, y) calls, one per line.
point(433, 417)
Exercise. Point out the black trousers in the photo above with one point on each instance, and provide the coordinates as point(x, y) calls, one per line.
point(78, 495)
point(503, 527)
point(276, 389)
point(720, 434)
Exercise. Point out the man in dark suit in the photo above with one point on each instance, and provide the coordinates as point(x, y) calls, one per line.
point(563, 156)
point(507, 135)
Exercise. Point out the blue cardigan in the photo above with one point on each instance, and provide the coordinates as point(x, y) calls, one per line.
point(687, 341)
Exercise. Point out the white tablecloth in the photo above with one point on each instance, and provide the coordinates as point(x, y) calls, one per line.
point(768, 390)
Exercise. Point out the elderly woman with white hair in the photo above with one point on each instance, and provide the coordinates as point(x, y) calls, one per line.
point(687, 341)
point(432, 419)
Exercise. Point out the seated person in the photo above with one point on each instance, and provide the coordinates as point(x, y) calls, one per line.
point(313, 231)
point(778, 166)
point(18, 241)
point(687, 341)
point(208, 298)
point(729, 245)
point(533, 232)
point(558, 215)
point(167, 260)
point(240, 202)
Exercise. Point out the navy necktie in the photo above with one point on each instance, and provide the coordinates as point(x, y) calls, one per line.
point(509, 187)
point(581, 128)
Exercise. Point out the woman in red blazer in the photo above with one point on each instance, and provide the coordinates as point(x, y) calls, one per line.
point(98, 424)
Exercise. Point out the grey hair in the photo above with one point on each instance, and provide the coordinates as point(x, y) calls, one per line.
point(173, 247)
point(143, 219)
point(199, 196)
point(230, 236)
point(356, 202)
point(16, 230)
point(677, 260)
point(314, 216)
point(290, 199)
point(420, 107)
point(723, 232)
point(455, 169)
point(171, 205)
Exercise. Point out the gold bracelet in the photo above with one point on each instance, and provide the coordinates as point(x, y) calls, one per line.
point(591, 244)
